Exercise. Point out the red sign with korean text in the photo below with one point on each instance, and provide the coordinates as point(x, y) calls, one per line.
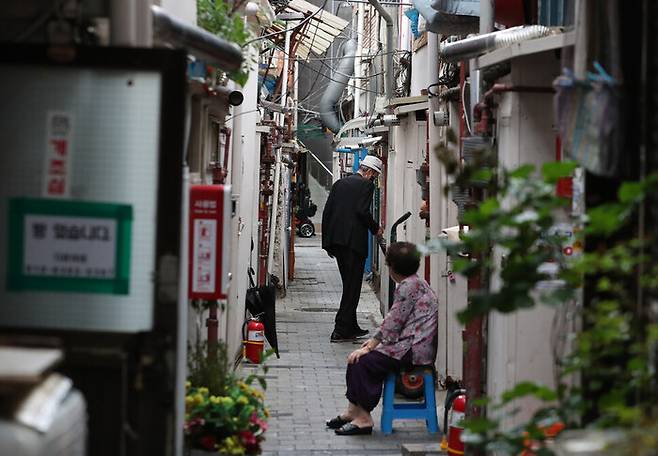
point(209, 238)
point(57, 175)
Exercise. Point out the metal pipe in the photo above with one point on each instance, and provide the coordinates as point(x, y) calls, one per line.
point(182, 311)
point(479, 44)
point(450, 94)
point(389, 46)
point(284, 76)
point(123, 27)
point(487, 14)
point(232, 96)
point(473, 337)
point(499, 88)
point(381, 3)
point(358, 71)
point(274, 217)
point(394, 238)
point(168, 29)
point(336, 85)
point(144, 32)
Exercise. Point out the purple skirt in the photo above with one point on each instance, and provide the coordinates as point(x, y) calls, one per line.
point(365, 378)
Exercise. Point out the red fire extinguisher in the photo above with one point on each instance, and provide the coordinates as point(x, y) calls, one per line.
point(253, 335)
point(454, 411)
point(455, 444)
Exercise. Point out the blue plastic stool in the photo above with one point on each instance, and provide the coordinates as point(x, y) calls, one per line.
point(425, 410)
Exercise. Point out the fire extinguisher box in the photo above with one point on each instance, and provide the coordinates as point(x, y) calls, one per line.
point(210, 238)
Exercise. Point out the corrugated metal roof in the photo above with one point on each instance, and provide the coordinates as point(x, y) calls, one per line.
point(317, 34)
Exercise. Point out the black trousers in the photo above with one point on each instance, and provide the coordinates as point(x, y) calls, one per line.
point(351, 266)
point(365, 378)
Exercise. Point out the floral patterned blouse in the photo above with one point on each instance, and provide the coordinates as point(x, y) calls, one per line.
point(412, 323)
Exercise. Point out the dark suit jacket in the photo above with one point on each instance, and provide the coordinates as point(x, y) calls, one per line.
point(346, 218)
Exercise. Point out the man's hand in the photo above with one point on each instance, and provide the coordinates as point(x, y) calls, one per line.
point(380, 233)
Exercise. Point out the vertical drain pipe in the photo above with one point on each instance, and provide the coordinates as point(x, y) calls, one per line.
point(486, 26)
point(388, 81)
point(358, 69)
point(473, 332)
point(389, 47)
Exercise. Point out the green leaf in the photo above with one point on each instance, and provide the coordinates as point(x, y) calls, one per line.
point(482, 175)
point(554, 171)
point(630, 192)
point(524, 389)
point(489, 206)
point(523, 172)
point(606, 219)
point(480, 425)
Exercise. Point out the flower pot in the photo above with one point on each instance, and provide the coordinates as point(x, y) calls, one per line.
point(197, 452)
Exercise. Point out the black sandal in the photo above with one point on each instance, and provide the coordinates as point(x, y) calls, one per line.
point(353, 429)
point(336, 423)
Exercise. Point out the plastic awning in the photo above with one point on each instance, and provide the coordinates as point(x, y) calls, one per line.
point(315, 35)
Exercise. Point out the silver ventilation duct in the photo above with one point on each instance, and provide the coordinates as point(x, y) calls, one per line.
point(339, 79)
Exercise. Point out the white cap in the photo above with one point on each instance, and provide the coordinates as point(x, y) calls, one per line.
point(372, 162)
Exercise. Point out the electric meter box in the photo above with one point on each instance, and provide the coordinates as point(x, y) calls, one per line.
point(210, 237)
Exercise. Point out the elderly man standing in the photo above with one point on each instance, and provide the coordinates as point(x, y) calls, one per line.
point(345, 223)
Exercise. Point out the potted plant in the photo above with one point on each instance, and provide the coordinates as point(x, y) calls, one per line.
point(224, 413)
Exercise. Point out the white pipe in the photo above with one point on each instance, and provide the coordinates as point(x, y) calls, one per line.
point(144, 24)
point(358, 70)
point(123, 23)
point(487, 15)
point(283, 226)
point(436, 185)
point(295, 112)
point(486, 26)
point(275, 208)
point(181, 335)
point(284, 79)
point(475, 45)
point(389, 47)
point(580, 49)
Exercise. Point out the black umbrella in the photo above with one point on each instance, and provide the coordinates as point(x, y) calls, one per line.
point(261, 302)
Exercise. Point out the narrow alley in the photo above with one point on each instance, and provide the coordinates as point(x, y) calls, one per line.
point(306, 385)
point(171, 168)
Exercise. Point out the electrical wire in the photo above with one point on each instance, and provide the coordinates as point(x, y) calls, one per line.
point(242, 113)
point(331, 79)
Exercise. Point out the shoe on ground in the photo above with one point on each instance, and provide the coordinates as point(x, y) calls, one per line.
point(361, 332)
point(337, 337)
point(353, 429)
point(336, 423)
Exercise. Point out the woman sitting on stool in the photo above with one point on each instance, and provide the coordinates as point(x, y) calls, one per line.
point(407, 336)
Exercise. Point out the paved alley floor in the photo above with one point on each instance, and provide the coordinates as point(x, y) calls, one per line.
point(306, 385)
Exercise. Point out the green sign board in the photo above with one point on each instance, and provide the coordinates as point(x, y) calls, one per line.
point(62, 245)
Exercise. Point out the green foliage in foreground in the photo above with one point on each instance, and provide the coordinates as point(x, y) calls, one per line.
point(605, 371)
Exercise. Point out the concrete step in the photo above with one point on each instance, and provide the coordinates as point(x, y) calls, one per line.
point(422, 449)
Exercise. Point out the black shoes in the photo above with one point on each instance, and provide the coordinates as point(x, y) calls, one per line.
point(336, 423)
point(353, 429)
point(338, 337)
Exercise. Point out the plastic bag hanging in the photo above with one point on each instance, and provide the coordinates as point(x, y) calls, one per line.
point(587, 115)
